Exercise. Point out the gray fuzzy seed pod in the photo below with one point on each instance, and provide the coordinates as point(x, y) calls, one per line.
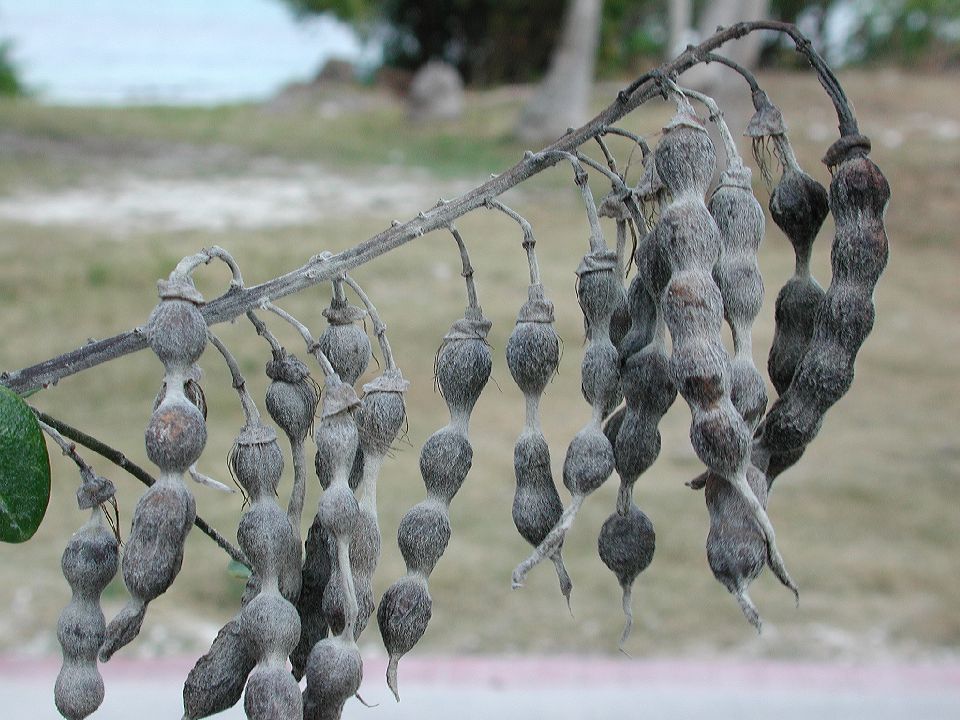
point(536, 504)
point(598, 290)
point(268, 624)
point(642, 315)
point(268, 540)
point(293, 407)
point(799, 205)
point(152, 556)
point(445, 461)
point(272, 694)
point(600, 375)
point(463, 368)
point(403, 615)
point(533, 354)
point(720, 439)
point(379, 420)
point(794, 315)
point(217, 679)
point(176, 435)
point(685, 157)
point(89, 562)
point(364, 552)
point(177, 333)
point(337, 443)
point(339, 511)
point(589, 461)
point(736, 548)
point(345, 343)
point(334, 673)
point(423, 534)
point(626, 544)
point(256, 461)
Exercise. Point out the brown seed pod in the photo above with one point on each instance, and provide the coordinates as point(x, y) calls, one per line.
point(217, 679)
point(176, 434)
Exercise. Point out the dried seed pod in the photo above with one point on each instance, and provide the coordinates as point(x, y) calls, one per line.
point(89, 563)
point(334, 672)
point(270, 627)
point(462, 368)
point(292, 396)
point(642, 313)
point(423, 534)
point(176, 434)
point(403, 614)
point(343, 342)
point(740, 220)
point(736, 548)
point(858, 197)
point(589, 457)
point(217, 679)
point(798, 205)
point(176, 330)
point(333, 665)
point(626, 545)
point(152, 556)
point(692, 307)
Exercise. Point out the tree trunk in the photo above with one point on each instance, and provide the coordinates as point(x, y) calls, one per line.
point(562, 100)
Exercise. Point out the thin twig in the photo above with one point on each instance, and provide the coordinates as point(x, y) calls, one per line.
point(250, 411)
point(379, 327)
point(264, 332)
point(124, 463)
point(529, 241)
point(467, 271)
point(313, 347)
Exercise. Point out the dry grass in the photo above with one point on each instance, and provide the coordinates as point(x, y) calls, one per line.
point(867, 522)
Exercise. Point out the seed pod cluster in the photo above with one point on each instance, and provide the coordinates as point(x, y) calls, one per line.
point(858, 196)
point(533, 354)
point(333, 668)
point(89, 563)
point(690, 241)
point(175, 437)
point(462, 368)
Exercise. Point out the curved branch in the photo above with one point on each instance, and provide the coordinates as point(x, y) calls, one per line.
point(324, 268)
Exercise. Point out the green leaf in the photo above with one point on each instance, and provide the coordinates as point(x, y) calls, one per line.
point(24, 470)
point(238, 570)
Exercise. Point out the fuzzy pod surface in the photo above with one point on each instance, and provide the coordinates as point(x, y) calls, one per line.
point(152, 556)
point(216, 681)
point(89, 562)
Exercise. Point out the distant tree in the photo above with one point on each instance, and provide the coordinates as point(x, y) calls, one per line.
point(10, 83)
point(489, 41)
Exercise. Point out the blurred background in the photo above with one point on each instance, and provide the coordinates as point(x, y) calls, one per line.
point(134, 133)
